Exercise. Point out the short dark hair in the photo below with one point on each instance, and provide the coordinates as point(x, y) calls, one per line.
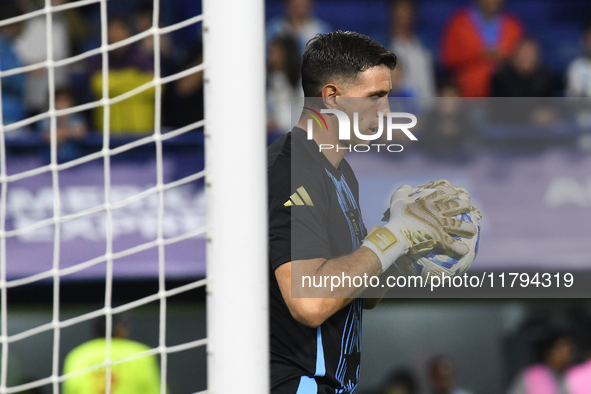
point(547, 341)
point(144, 7)
point(117, 319)
point(396, 2)
point(64, 91)
point(292, 57)
point(340, 55)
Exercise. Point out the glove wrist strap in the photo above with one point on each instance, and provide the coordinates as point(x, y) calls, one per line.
point(386, 245)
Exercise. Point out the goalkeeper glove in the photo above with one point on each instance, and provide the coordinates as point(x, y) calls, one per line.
point(444, 185)
point(421, 220)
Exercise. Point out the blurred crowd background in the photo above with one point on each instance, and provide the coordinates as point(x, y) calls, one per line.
point(459, 61)
point(449, 48)
point(76, 31)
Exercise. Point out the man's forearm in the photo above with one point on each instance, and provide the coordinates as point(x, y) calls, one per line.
point(307, 285)
point(373, 296)
point(330, 278)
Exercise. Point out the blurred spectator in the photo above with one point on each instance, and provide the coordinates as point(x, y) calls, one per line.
point(554, 354)
point(183, 99)
point(524, 75)
point(476, 40)
point(142, 19)
point(137, 376)
point(298, 22)
point(129, 68)
point(442, 379)
point(578, 75)
point(578, 378)
point(402, 98)
point(400, 86)
point(283, 82)
point(447, 128)
point(70, 128)
point(13, 86)
point(78, 28)
point(413, 56)
point(31, 46)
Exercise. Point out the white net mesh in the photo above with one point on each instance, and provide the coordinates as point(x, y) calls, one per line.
point(108, 207)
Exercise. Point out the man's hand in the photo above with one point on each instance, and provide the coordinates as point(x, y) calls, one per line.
point(422, 220)
point(445, 185)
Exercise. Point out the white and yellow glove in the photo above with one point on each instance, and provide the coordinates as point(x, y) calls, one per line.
point(444, 185)
point(422, 220)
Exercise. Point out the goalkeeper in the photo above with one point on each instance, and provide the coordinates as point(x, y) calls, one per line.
point(316, 228)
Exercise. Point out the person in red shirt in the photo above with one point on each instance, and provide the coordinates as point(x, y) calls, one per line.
point(476, 41)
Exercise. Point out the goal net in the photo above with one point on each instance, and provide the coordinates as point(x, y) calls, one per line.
point(95, 215)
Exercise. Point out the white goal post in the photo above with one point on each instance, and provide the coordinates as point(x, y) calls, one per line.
point(237, 290)
point(235, 179)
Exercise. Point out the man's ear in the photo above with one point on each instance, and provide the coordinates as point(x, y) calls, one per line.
point(329, 95)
